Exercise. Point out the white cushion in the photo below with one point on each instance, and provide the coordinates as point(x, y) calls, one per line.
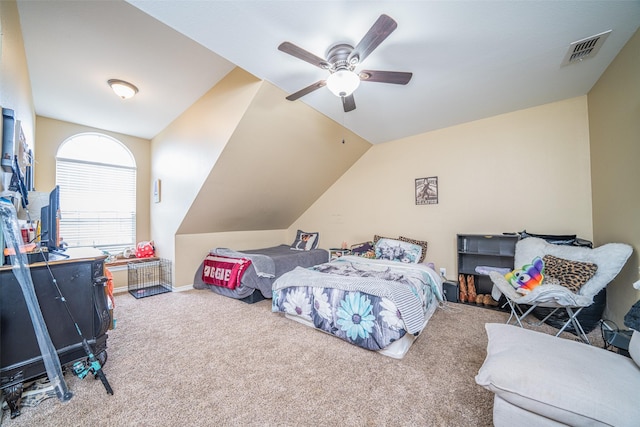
point(507, 415)
point(566, 381)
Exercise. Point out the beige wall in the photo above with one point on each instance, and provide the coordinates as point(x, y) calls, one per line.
point(185, 152)
point(527, 169)
point(614, 125)
point(280, 158)
point(15, 86)
point(252, 163)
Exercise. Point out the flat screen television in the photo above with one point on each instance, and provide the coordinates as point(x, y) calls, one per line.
point(50, 222)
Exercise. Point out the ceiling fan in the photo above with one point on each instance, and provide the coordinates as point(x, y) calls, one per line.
point(341, 61)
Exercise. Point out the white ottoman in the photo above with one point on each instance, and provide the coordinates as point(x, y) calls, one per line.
point(539, 379)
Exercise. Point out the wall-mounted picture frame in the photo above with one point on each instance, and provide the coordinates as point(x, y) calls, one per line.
point(427, 191)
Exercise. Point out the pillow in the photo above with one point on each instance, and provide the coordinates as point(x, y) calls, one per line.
point(305, 241)
point(416, 242)
point(377, 237)
point(570, 274)
point(365, 250)
point(525, 279)
point(397, 250)
point(632, 318)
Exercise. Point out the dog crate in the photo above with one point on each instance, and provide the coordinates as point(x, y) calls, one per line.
point(147, 278)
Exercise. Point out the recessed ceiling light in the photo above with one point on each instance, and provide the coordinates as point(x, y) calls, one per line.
point(124, 90)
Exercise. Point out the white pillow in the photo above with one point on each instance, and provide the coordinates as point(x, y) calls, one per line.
point(396, 250)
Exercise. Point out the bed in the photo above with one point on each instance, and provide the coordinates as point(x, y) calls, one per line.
point(378, 304)
point(251, 273)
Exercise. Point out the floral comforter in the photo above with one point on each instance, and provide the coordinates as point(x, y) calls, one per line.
point(368, 302)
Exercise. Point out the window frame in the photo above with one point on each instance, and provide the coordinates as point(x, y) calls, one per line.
point(116, 194)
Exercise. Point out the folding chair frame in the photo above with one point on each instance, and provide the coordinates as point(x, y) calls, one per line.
point(515, 309)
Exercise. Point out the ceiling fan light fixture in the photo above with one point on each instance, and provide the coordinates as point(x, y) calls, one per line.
point(343, 82)
point(124, 90)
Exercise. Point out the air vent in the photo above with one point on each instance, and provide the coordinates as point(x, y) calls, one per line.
point(585, 48)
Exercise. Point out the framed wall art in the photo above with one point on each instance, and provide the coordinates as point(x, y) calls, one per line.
point(427, 191)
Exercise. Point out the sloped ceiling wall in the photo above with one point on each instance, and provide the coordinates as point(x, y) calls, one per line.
point(184, 153)
point(281, 157)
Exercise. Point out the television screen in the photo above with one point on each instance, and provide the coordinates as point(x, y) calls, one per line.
point(44, 226)
point(50, 222)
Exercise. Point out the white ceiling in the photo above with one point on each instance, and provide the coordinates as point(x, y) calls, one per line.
point(470, 59)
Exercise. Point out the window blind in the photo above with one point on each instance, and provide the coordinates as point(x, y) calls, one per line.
point(97, 204)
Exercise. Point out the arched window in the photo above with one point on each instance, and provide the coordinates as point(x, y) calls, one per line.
point(97, 179)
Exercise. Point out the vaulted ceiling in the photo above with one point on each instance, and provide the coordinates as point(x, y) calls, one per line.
point(469, 59)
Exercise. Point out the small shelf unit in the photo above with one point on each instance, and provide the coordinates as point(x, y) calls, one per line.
point(490, 250)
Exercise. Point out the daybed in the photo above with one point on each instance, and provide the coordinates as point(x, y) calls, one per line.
point(248, 275)
point(378, 304)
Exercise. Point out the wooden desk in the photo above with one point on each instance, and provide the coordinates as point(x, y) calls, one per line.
point(79, 278)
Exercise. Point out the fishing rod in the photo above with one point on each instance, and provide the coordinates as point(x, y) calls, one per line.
point(80, 368)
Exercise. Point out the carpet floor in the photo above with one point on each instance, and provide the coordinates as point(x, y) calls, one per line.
point(195, 358)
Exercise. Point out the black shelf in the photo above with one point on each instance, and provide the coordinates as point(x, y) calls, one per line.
point(489, 250)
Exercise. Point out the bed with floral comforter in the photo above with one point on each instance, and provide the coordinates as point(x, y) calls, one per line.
point(376, 304)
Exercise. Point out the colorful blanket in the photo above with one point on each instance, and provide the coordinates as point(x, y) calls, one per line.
point(369, 303)
point(224, 271)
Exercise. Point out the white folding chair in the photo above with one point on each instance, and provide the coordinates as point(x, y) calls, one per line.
point(610, 258)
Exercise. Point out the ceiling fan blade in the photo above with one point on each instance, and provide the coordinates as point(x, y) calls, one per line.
point(380, 30)
point(349, 103)
point(394, 77)
point(302, 92)
point(300, 53)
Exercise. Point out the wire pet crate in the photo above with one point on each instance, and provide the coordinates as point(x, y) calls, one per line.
point(149, 278)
